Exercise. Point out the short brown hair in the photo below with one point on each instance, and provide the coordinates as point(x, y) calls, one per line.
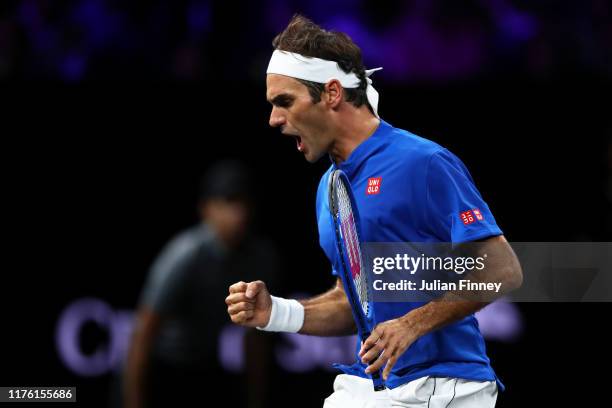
point(304, 37)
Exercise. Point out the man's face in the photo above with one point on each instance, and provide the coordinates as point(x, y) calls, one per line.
point(229, 217)
point(297, 116)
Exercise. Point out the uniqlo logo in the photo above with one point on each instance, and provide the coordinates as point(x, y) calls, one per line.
point(478, 214)
point(374, 185)
point(467, 217)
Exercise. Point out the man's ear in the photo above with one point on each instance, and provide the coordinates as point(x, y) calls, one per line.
point(334, 93)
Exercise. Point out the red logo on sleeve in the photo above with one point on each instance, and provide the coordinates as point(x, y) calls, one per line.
point(478, 214)
point(467, 217)
point(373, 185)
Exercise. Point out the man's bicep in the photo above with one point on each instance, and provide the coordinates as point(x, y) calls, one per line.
point(502, 264)
point(505, 251)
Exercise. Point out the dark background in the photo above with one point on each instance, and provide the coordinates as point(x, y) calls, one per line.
point(107, 128)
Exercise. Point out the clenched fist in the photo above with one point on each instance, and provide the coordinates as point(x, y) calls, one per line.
point(249, 304)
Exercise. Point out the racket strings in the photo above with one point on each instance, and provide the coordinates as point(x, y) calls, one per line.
point(349, 234)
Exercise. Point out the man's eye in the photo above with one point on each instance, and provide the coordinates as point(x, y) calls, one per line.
point(282, 102)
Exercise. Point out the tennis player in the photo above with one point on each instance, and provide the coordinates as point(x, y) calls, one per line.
point(407, 189)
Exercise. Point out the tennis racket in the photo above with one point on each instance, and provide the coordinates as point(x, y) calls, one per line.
point(353, 274)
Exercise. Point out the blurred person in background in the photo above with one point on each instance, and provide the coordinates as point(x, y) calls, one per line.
point(173, 354)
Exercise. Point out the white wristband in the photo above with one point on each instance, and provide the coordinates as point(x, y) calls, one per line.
point(287, 315)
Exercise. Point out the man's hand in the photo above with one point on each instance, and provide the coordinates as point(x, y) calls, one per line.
point(249, 304)
point(389, 340)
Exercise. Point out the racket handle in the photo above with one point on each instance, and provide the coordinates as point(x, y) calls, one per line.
point(378, 382)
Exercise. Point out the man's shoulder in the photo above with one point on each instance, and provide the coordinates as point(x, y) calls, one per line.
point(190, 240)
point(323, 182)
point(405, 151)
point(325, 177)
point(404, 141)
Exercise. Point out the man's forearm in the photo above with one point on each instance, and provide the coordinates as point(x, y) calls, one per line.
point(147, 323)
point(503, 268)
point(258, 350)
point(136, 369)
point(328, 314)
point(437, 314)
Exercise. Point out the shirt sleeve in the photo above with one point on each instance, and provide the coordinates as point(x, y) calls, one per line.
point(455, 210)
point(168, 279)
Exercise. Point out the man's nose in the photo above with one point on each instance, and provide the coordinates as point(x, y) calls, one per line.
point(276, 118)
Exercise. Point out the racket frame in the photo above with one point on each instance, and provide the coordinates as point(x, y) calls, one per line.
point(338, 176)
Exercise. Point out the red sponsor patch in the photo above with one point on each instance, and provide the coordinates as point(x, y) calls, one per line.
point(373, 185)
point(467, 217)
point(477, 214)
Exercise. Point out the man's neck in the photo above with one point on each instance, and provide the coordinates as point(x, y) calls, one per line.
point(357, 126)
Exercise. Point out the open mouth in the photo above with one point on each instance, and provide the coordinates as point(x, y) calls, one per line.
point(298, 141)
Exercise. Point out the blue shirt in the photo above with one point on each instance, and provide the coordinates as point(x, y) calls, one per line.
point(410, 189)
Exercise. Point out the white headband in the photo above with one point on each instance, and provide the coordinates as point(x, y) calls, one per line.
point(319, 70)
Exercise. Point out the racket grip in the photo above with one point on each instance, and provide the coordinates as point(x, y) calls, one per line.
point(377, 379)
point(378, 382)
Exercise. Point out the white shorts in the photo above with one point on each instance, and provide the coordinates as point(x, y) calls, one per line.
point(427, 392)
